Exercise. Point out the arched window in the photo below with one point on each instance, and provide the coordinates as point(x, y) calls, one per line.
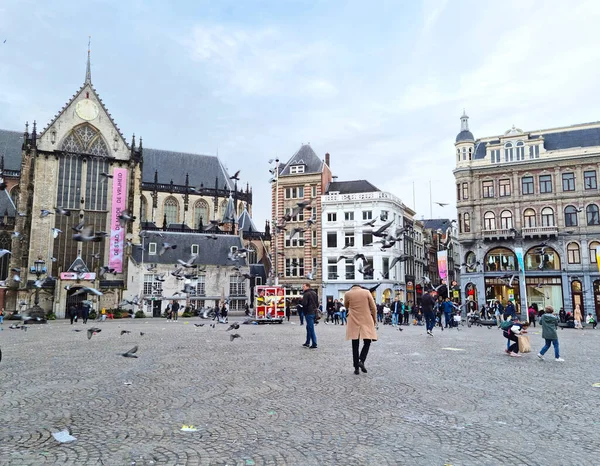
point(470, 153)
point(467, 223)
point(222, 208)
point(570, 216)
point(171, 210)
point(471, 261)
point(500, 259)
point(508, 152)
point(506, 222)
point(14, 195)
point(252, 254)
point(5, 243)
point(542, 258)
point(489, 221)
point(529, 218)
point(201, 213)
point(464, 153)
point(591, 212)
point(84, 139)
point(520, 151)
point(594, 245)
point(143, 209)
point(573, 253)
point(548, 217)
point(458, 155)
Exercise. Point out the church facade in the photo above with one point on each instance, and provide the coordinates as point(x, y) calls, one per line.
point(78, 195)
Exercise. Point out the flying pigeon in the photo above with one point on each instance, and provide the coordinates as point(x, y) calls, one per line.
point(235, 176)
point(61, 211)
point(233, 336)
point(125, 217)
point(92, 331)
point(84, 235)
point(130, 353)
point(55, 232)
point(3, 252)
point(166, 247)
point(233, 326)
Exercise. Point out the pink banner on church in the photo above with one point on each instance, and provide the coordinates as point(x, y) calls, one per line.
point(117, 234)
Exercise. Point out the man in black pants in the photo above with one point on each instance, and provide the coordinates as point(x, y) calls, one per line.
point(175, 309)
point(427, 303)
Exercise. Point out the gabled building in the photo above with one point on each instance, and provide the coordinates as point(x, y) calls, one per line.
point(535, 192)
point(296, 242)
point(352, 211)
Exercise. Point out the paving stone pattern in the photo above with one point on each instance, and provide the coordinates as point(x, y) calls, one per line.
point(263, 399)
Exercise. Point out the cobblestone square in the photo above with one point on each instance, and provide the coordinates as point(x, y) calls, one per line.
point(263, 399)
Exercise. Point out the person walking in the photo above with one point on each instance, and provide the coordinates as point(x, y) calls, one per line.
point(549, 324)
point(362, 319)
point(532, 313)
point(73, 313)
point(310, 304)
point(396, 311)
point(175, 309)
point(448, 308)
point(86, 313)
point(427, 303)
point(577, 317)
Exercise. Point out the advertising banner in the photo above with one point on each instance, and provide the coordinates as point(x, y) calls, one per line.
point(117, 234)
point(442, 257)
point(598, 257)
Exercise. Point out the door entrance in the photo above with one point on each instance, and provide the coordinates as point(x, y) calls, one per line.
point(74, 300)
point(597, 299)
point(156, 308)
point(577, 296)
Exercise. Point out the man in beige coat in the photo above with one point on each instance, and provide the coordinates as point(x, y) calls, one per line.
point(362, 317)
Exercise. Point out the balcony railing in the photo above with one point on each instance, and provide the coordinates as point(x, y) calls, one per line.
point(361, 196)
point(540, 231)
point(497, 233)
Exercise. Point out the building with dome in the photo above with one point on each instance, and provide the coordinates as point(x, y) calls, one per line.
point(82, 164)
point(535, 192)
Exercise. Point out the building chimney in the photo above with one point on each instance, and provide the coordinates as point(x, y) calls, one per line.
point(327, 159)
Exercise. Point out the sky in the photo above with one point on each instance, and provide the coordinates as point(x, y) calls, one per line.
point(380, 85)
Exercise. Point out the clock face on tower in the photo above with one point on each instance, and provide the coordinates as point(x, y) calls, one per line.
point(86, 110)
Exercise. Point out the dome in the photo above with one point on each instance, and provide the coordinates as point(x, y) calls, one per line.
point(465, 135)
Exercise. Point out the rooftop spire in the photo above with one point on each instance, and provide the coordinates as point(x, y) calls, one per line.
point(88, 69)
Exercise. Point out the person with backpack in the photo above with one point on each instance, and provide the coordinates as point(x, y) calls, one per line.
point(310, 306)
point(549, 334)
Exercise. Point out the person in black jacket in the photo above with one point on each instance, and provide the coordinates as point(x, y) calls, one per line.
point(427, 303)
point(309, 305)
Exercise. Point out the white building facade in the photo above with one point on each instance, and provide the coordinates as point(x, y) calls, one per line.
point(351, 212)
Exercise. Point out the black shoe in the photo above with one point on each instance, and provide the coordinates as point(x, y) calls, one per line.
point(356, 371)
point(400, 329)
point(306, 345)
point(362, 366)
point(313, 347)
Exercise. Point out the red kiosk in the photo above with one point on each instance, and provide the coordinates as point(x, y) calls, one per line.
point(269, 303)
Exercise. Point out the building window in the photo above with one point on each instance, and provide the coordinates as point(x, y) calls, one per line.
point(573, 253)
point(458, 192)
point(252, 254)
point(385, 267)
point(294, 267)
point(591, 212)
point(332, 239)
point(589, 179)
point(299, 217)
point(465, 191)
point(201, 285)
point(237, 285)
point(467, 222)
point(294, 192)
point(568, 180)
point(592, 251)
point(152, 286)
point(534, 152)
point(383, 216)
point(489, 221)
point(313, 191)
point(367, 215)
point(527, 185)
point(171, 210)
point(195, 248)
point(548, 217)
point(367, 267)
point(297, 240)
point(457, 155)
point(201, 213)
point(570, 216)
point(367, 238)
point(520, 151)
point(506, 222)
point(313, 235)
point(508, 152)
point(349, 269)
point(332, 217)
point(545, 184)
point(495, 155)
point(464, 153)
point(143, 209)
point(504, 187)
point(500, 260)
point(348, 216)
point(349, 239)
point(332, 269)
point(488, 188)
point(295, 169)
point(152, 249)
point(529, 218)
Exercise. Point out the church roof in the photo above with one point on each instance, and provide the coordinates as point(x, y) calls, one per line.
point(245, 222)
point(202, 169)
point(10, 148)
point(304, 156)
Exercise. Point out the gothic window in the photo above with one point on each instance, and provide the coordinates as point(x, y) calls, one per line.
point(69, 182)
point(529, 218)
point(14, 195)
point(223, 207)
point(252, 254)
point(171, 210)
point(85, 139)
point(5, 243)
point(591, 212)
point(143, 209)
point(201, 213)
point(96, 187)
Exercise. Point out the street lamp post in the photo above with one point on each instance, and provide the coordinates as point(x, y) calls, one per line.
point(39, 269)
